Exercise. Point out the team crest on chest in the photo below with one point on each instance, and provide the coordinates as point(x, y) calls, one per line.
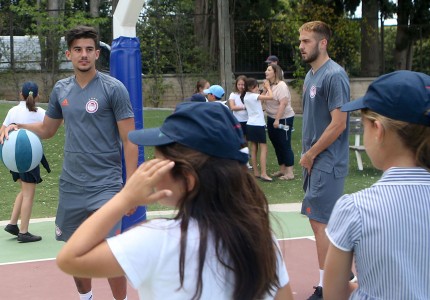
point(313, 91)
point(92, 105)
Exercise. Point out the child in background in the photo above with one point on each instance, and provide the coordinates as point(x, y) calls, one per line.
point(386, 227)
point(256, 124)
point(25, 112)
point(238, 107)
point(201, 85)
point(218, 245)
point(215, 93)
point(198, 95)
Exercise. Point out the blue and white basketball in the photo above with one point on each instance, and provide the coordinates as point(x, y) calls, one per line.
point(22, 152)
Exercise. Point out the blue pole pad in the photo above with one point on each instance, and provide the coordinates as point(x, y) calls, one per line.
point(126, 66)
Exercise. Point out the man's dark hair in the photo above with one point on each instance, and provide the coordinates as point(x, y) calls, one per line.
point(82, 32)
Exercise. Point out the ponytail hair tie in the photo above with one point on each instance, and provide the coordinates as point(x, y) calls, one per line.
point(30, 93)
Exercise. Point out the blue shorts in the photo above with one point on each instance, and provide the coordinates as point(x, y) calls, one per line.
point(76, 203)
point(321, 193)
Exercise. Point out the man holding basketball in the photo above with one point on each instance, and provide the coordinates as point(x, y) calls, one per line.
point(98, 115)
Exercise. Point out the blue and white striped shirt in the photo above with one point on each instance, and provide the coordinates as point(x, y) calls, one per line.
point(387, 226)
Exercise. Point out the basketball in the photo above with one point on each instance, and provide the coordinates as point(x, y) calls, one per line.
point(22, 152)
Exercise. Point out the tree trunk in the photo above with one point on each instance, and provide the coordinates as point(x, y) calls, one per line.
point(201, 23)
point(55, 11)
point(403, 53)
point(213, 42)
point(370, 50)
point(226, 74)
point(95, 11)
point(232, 32)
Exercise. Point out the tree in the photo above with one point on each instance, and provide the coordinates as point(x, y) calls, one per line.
point(49, 19)
point(168, 45)
point(370, 59)
point(346, 36)
point(205, 28)
point(411, 16)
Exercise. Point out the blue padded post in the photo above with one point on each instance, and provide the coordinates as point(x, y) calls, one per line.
point(126, 66)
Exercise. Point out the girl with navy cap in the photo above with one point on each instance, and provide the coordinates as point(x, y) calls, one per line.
point(218, 244)
point(25, 112)
point(386, 227)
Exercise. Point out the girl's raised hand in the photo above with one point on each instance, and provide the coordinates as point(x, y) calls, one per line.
point(140, 187)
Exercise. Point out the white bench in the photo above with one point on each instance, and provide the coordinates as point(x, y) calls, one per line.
point(355, 128)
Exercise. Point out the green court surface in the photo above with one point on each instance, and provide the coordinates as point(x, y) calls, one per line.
point(285, 224)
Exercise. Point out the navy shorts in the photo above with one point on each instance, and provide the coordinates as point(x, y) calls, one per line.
point(322, 190)
point(243, 126)
point(32, 176)
point(76, 203)
point(256, 134)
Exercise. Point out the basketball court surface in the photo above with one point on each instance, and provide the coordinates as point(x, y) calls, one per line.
point(28, 271)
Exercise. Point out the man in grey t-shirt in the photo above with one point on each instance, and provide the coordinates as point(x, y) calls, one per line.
point(98, 115)
point(325, 138)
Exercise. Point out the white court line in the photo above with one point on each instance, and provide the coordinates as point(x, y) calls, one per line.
point(26, 261)
point(49, 259)
point(52, 219)
point(285, 207)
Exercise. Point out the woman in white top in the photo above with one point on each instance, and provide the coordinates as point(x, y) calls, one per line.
point(218, 245)
point(385, 228)
point(256, 124)
point(25, 112)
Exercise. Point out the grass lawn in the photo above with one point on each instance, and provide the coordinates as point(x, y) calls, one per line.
point(278, 191)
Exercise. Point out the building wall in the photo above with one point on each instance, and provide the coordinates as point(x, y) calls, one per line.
point(172, 91)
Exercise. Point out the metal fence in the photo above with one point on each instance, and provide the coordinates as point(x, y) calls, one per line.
point(253, 43)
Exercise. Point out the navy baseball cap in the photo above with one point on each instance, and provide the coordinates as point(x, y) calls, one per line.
point(401, 95)
point(271, 58)
point(198, 98)
point(215, 90)
point(28, 87)
point(207, 127)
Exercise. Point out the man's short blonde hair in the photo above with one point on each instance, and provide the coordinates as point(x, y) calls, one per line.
point(320, 28)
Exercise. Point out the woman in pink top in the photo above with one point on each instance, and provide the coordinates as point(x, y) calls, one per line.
point(279, 112)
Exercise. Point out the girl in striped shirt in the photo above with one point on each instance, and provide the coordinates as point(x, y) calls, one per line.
point(386, 227)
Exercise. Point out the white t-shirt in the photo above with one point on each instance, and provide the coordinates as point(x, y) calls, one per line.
point(149, 256)
point(241, 115)
point(21, 115)
point(255, 109)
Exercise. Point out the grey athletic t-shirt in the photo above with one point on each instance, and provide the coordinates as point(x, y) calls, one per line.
point(323, 92)
point(92, 150)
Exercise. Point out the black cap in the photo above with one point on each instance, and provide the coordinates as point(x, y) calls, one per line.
point(271, 59)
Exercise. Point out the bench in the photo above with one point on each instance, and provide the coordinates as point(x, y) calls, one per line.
point(355, 128)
